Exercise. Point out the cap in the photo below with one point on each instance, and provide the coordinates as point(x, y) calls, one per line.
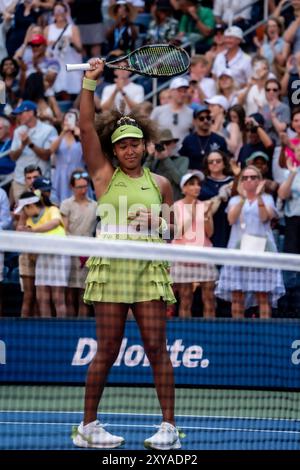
point(179, 82)
point(226, 71)
point(258, 118)
point(126, 131)
point(200, 109)
point(235, 32)
point(26, 105)
point(25, 202)
point(166, 135)
point(190, 175)
point(257, 154)
point(38, 39)
point(220, 100)
point(42, 183)
point(220, 27)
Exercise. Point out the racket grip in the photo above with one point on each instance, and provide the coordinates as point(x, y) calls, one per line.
point(71, 67)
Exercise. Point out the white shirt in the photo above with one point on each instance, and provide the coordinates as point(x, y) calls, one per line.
point(240, 66)
point(135, 93)
point(256, 98)
point(230, 9)
point(42, 135)
point(179, 122)
point(208, 86)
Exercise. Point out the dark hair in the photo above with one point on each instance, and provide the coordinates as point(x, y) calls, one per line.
point(273, 80)
point(27, 194)
point(106, 123)
point(15, 63)
point(240, 111)
point(279, 24)
point(225, 157)
point(31, 168)
point(34, 87)
point(78, 170)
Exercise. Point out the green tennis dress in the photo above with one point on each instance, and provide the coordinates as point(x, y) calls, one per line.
point(125, 280)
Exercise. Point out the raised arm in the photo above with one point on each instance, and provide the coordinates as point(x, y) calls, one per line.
point(99, 166)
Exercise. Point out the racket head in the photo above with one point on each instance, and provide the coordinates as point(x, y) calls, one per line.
point(155, 60)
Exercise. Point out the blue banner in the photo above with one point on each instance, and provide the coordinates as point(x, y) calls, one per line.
point(230, 353)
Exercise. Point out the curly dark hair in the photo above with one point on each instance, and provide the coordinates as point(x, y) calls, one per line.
point(225, 157)
point(106, 123)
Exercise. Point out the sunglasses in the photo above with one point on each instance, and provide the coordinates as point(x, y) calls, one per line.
point(83, 174)
point(175, 119)
point(82, 186)
point(249, 177)
point(216, 161)
point(272, 89)
point(204, 118)
point(35, 45)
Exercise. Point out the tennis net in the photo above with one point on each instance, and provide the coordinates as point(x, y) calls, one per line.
point(233, 342)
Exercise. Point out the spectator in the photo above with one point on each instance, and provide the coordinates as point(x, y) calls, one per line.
point(234, 58)
point(52, 271)
point(67, 151)
point(194, 226)
point(176, 115)
point(27, 261)
point(253, 96)
point(236, 129)
point(203, 141)
point(273, 47)
point(233, 12)
point(257, 139)
point(44, 186)
point(30, 145)
point(88, 17)
point(217, 186)
point(64, 42)
point(218, 107)
point(250, 213)
point(123, 34)
point(37, 90)
point(196, 24)
point(163, 27)
point(218, 44)
point(226, 86)
point(25, 50)
point(9, 70)
point(277, 114)
point(25, 14)
point(166, 162)
point(203, 86)
point(122, 91)
point(79, 217)
point(261, 161)
point(39, 62)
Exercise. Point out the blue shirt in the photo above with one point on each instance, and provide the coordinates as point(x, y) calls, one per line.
point(195, 147)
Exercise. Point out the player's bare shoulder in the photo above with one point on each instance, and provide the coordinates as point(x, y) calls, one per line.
point(164, 185)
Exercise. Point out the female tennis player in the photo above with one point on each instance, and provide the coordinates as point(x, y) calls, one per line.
point(130, 200)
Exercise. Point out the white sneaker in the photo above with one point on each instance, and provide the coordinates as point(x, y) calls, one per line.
point(94, 435)
point(167, 437)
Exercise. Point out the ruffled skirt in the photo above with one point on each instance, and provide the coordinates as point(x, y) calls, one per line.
point(127, 280)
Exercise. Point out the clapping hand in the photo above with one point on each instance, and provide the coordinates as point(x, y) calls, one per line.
point(260, 188)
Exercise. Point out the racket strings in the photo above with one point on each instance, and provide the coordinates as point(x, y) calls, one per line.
point(160, 61)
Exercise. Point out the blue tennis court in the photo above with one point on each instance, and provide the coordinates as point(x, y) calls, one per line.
point(42, 430)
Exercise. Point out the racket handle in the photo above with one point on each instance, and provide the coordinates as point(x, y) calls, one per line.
point(71, 67)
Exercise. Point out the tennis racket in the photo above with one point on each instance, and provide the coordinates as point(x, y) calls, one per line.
point(155, 60)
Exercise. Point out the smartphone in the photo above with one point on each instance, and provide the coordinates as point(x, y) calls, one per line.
point(70, 120)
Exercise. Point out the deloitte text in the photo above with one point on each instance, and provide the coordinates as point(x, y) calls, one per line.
point(134, 355)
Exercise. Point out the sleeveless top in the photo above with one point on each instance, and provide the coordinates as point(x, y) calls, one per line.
point(127, 195)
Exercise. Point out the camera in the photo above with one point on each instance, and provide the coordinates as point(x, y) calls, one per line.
point(159, 147)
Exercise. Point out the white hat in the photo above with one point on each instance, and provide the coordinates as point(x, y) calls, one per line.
point(220, 100)
point(25, 202)
point(179, 82)
point(226, 71)
point(235, 32)
point(190, 175)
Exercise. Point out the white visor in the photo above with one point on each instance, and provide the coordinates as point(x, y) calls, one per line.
point(25, 202)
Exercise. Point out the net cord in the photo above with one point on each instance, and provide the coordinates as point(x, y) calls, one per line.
point(11, 241)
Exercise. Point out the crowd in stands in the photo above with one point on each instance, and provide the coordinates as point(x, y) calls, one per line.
point(229, 140)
